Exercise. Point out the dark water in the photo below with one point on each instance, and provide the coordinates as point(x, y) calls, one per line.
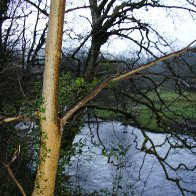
point(128, 170)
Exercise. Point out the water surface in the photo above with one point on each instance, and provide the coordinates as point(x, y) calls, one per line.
point(111, 160)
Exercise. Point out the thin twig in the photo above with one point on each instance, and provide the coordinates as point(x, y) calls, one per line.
point(10, 172)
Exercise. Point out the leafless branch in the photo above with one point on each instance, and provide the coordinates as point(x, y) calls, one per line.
point(152, 63)
point(76, 8)
point(45, 12)
point(37, 7)
point(4, 120)
point(115, 78)
point(10, 172)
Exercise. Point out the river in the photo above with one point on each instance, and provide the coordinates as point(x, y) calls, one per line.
point(110, 161)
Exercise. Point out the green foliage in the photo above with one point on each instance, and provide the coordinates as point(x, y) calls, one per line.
point(65, 157)
point(108, 66)
point(104, 114)
point(117, 151)
point(71, 90)
point(9, 109)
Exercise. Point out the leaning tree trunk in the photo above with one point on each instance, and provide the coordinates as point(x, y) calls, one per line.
point(50, 123)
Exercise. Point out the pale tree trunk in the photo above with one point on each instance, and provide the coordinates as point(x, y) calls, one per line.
point(50, 123)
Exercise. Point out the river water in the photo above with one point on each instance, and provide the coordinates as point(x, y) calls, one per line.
point(110, 161)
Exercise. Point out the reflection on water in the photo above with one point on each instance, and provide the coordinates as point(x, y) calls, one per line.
point(111, 160)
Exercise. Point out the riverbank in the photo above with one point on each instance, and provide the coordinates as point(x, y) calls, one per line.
point(167, 112)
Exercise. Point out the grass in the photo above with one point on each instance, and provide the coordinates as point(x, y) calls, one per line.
point(103, 114)
point(176, 107)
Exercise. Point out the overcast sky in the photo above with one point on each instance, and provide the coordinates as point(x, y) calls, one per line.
point(178, 27)
point(175, 25)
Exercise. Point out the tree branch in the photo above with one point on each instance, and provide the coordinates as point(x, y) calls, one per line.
point(76, 8)
point(37, 7)
point(117, 77)
point(4, 120)
point(126, 75)
point(68, 114)
point(10, 172)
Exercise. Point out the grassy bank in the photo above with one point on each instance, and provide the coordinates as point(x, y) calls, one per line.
point(155, 112)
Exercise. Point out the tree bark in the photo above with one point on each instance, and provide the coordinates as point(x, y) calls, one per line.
point(50, 123)
point(99, 37)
